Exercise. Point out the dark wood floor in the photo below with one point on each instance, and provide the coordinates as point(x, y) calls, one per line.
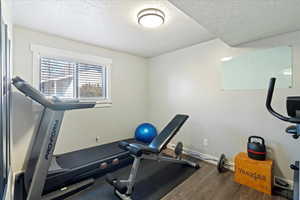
point(208, 184)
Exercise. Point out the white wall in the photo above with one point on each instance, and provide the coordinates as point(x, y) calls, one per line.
point(80, 128)
point(188, 81)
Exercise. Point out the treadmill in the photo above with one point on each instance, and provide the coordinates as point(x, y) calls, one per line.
point(55, 177)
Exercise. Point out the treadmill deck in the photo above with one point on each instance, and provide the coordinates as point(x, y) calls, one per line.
point(82, 157)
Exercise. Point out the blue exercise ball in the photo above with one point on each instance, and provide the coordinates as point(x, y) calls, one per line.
point(145, 132)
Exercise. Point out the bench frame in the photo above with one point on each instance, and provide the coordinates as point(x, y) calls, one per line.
point(153, 151)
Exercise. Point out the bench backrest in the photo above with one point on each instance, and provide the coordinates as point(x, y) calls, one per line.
point(165, 136)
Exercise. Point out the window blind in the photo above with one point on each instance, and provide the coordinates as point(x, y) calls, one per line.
point(90, 80)
point(67, 79)
point(57, 77)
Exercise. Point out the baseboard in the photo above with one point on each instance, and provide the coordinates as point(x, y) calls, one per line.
point(230, 165)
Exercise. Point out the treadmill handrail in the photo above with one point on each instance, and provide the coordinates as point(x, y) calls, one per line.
point(269, 106)
point(39, 97)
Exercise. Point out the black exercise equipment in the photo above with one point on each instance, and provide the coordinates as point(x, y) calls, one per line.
point(256, 148)
point(87, 163)
point(295, 167)
point(221, 163)
point(178, 149)
point(51, 177)
point(293, 111)
point(153, 151)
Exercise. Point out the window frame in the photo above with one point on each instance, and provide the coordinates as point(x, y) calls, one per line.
point(42, 51)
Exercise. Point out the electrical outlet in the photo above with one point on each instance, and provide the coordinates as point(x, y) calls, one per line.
point(205, 142)
point(97, 139)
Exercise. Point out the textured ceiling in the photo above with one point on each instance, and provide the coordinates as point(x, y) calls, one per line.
point(111, 24)
point(241, 21)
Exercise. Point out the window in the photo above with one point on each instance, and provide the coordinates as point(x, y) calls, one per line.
point(72, 76)
point(67, 79)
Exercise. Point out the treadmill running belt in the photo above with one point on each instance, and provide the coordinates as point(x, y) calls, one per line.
point(154, 180)
point(82, 157)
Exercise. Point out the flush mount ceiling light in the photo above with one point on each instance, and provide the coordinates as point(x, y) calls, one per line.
point(151, 17)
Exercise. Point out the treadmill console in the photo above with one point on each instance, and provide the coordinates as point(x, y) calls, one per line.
point(293, 106)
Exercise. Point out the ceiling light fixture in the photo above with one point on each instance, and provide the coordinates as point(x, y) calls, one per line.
point(151, 17)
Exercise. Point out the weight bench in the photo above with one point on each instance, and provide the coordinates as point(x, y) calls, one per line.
point(153, 151)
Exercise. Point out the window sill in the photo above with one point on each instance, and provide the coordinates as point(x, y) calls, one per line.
point(101, 104)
